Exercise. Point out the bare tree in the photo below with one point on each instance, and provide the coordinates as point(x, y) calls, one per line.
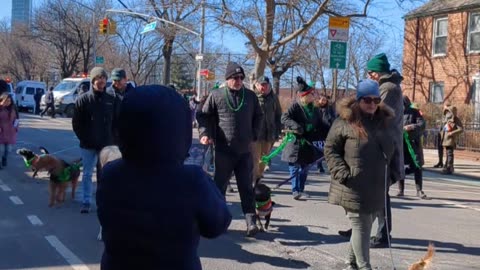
point(256, 20)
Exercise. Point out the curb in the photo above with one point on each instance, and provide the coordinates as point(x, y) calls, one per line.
point(468, 176)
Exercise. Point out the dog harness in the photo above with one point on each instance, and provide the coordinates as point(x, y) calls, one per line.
point(28, 163)
point(264, 208)
point(65, 175)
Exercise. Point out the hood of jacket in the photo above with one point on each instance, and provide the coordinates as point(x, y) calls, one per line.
point(394, 77)
point(451, 109)
point(154, 126)
point(345, 110)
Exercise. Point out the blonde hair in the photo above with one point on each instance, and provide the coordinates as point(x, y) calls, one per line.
point(108, 154)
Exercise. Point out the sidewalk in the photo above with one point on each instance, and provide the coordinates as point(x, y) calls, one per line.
point(467, 164)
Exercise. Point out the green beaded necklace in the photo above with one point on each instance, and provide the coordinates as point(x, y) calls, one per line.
point(228, 100)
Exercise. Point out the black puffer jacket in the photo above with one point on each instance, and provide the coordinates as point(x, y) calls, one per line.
point(357, 164)
point(301, 151)
point(232, 131)
point(94, 119)
point(152, 208)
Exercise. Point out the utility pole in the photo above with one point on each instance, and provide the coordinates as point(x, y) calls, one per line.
point(199, 57)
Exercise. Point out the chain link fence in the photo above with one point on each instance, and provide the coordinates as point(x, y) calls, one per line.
point(469, 139)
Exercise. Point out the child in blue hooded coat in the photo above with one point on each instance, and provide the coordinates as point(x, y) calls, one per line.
point(153, 208)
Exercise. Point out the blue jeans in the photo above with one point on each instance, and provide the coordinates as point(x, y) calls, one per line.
point(299, 174)
point(359, 249)
point(4, 149)
point(89, 160)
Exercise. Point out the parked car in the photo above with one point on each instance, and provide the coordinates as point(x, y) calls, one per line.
point(67, 91)
point(25, 92)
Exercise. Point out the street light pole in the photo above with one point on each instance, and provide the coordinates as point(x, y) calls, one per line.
point(200, 57)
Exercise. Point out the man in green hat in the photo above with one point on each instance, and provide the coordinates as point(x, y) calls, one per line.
point(378, 69)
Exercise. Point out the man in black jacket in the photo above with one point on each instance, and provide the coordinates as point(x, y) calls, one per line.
point(230, 119)
point(120, 85)
point(93, 122)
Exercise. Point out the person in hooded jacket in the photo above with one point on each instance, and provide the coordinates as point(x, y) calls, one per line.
point(329, 115)
point(271, 126)
point(358, 151)
point(172, 204)
point(305, 120)
point(452, 127)
point(391, 93)
point(94, 121)
point(414, 126)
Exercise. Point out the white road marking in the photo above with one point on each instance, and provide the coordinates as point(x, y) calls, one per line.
point(16, 200)
point(460, 205)
point(5, 187)
point(44, 130)
point(68, 255)
point(35, 220)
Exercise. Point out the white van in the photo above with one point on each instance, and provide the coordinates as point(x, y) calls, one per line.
point(25, 92)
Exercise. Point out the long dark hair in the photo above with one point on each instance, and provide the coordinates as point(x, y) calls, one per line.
point(10, 107)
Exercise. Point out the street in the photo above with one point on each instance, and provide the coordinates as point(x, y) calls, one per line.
point(303, 233)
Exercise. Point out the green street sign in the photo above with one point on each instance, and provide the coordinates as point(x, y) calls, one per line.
point(338, 54)
point(99, 60)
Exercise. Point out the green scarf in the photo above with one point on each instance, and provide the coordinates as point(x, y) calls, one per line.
point(308, 109)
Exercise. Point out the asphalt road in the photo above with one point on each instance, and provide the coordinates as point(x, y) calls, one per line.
point(303, 234)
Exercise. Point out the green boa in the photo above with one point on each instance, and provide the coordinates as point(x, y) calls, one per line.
point(410, 149)
point(289, 137)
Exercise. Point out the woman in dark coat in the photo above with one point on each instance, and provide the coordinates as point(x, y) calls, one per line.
point(306, 122)
point(414, 125)
point(358, 151)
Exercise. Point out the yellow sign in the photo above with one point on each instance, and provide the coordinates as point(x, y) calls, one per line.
point(339, 22)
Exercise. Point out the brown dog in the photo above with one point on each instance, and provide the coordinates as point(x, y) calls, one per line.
point(426, 261)
point(61, 172)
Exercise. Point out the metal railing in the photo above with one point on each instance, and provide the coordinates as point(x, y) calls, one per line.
point(468, 140)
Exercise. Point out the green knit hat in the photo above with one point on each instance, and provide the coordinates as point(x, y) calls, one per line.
point(379, 63)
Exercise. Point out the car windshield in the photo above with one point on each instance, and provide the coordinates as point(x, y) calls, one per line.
point(65, 86)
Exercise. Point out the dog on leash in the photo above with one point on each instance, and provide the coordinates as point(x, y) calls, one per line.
point(425, 261)
point(61, 172)
point(263, 203)
point(108, 154)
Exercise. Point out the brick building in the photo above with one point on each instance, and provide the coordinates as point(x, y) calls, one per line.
point(441, 51)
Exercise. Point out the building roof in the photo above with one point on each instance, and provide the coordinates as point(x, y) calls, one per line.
point(437, 7)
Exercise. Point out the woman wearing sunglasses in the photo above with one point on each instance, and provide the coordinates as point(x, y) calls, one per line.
point(358, 150)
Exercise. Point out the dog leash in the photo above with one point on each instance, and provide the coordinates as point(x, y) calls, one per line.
point(63, 150)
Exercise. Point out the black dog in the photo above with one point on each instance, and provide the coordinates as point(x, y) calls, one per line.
point(263, 203)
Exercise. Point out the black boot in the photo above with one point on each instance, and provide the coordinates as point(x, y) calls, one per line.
point(347, 233)
point(438, 165)
point(252, 228)
point(401, 188)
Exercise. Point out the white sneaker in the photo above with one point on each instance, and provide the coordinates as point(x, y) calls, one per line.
point(304, 195)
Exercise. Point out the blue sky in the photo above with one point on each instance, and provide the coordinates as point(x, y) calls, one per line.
point(383, 10)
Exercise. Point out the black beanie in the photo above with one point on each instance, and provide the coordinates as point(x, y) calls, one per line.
point(302, 86)
point(233, 69)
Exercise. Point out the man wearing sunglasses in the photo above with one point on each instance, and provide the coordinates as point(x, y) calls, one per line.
point(230, 119)
point(391, 93)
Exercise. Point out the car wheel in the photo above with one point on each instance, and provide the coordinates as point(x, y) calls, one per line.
point(69, 110)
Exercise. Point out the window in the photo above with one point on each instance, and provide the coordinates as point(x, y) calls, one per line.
point(440, 36)
point(30, 91)
point(474, 33)
point(436, 92)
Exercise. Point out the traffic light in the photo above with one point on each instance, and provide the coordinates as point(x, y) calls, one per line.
point(112, 27)
point(103, 26)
